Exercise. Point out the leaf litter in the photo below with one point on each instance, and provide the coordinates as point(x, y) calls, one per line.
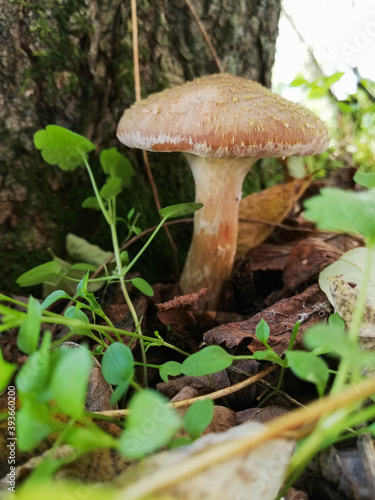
point(273, 281)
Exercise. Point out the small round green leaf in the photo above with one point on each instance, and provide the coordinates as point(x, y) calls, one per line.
point(150, 425)
point(309, 367)
point(143, 286)
point(262, 331)
point(209, 360)
point(170, 368)
point(198, 417)
point(118, 364)
point(69, 380)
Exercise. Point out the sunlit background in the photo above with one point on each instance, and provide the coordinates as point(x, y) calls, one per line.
point(325, 36)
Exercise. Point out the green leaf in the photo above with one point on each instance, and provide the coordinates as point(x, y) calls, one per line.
point(268, 355)
point(28, 336)
point(310, 368)
point(87, 439)
point(119, 392)
point(366, 179)
point(82, 286)
point(317, 92)
point(54, 297)
point(149, 426)
point(332, 340)
point(62, 147)
point(83, 266)
point(180, 210)
point(39, 274)
point(91, 202)
point(118, 364)
point(262, 332)
point(116, 165)
point(34, 374)
point(33, 423)
point(198, 417)
point(171, 368)
point(209, 360)
point(75, 312)
point(178, 442)
point(6, 372)
point(298, 81)
point(69, 380)
point(111, 188)
point(335, 321)
point(143, 286)
point(335, 77)
point(344, 211)
point(124, 256)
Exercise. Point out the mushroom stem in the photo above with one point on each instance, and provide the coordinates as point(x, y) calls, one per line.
point(218, 185)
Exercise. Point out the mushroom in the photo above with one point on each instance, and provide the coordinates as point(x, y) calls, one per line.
point(223, 124)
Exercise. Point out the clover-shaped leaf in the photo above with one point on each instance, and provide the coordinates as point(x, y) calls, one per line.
point(62, 147)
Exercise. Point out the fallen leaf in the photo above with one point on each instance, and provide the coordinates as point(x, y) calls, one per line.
point(269, 206)
point(350, 266)
point(268, 257)
point(99, 391)
point(179, 312)
point(344, 297)
point(307, 307)
point(203, 469)
point(308, 257)
point(261, 415)
point(344, 469)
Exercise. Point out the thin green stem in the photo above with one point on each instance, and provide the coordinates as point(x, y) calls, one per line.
point(128, 301)
point(129, 266)
point(96, 191)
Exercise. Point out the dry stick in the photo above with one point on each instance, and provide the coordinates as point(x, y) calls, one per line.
point(213, 395)
point(181, 471)
point(137, 84)
point(205, 35)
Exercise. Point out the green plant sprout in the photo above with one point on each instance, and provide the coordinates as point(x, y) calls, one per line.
point(68, 151)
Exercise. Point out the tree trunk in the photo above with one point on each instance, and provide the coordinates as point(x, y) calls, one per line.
point(70, 63)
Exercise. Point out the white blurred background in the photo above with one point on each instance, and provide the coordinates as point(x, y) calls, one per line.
point(338, 34)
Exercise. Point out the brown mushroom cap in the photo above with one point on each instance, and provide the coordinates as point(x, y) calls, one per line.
point(223, 116)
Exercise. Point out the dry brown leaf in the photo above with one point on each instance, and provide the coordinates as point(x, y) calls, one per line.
point(306, 260)
point(262, 415)
point(344, 298)
point(179, 311)
point(271, 205)
point(307, 307)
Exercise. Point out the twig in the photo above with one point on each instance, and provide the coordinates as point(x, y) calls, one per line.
point(205, 35)
point(213, 395)
point(137, 84)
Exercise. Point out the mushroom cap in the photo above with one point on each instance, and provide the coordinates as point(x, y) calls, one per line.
point(222, 116)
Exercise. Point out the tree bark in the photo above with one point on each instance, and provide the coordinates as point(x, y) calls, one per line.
point(70, 63)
